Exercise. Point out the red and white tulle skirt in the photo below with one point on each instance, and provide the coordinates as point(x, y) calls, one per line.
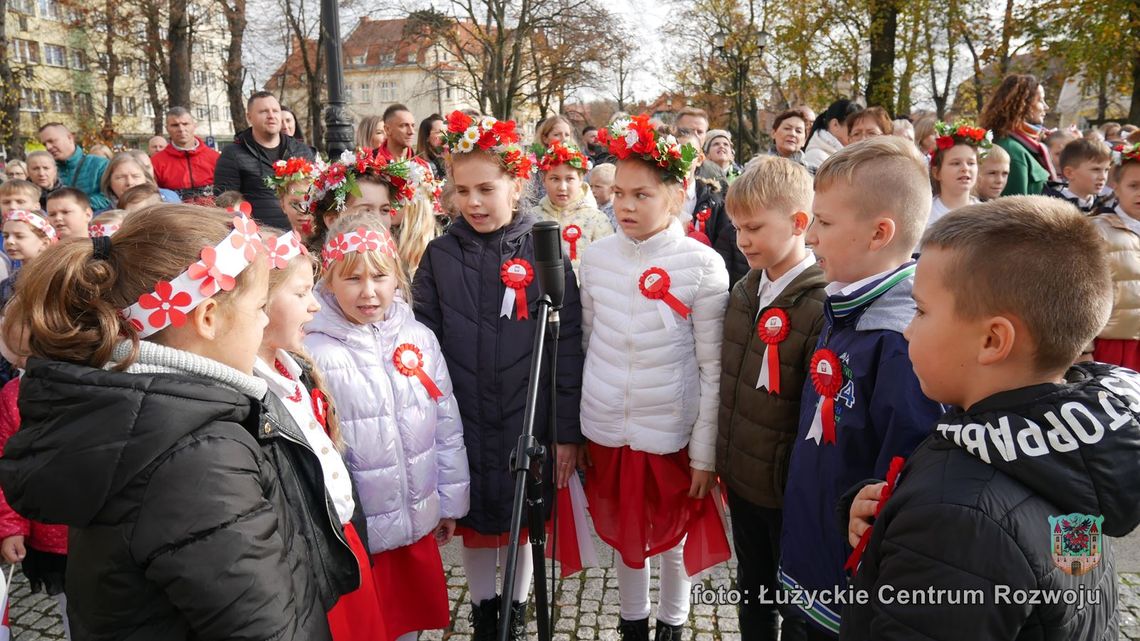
point(1123, 352)
point(641, 507)
point(356, 616)
point(412, 588)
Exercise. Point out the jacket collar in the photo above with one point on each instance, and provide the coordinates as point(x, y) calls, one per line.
point(332, 322)
point(844, 305)
point(519, 226)
point(654, 244)
point(808, 279)
point(74, 159)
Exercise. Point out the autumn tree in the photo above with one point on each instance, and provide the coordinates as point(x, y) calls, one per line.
point(11, 76)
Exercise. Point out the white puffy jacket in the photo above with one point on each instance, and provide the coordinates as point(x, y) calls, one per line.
point(645, 385)
point(405, 451)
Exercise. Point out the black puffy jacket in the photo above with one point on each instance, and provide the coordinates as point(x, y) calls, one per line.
point(721, 233)
point(972, 509)
point(458, 294)
point(243, 166)
point(179, 526)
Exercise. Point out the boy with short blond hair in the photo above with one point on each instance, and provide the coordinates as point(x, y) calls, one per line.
point(1036, 463)
point(1085, 165)
point(601, 181)
point(69, 211)
point(993, 174)
point(774, 317)
point(861, 404)
point(19, 194)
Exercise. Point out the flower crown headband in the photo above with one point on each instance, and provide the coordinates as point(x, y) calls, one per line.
point(216, 271)
point(559, 153)
point(465, 134)
point(33, 219)
point(962, 133)
point(102, 230)
point(410, 179)
point(284, 248)
point(360, 240)
point(1129, 152)
point(341, 178)
point(289, 171)
point(636, 137)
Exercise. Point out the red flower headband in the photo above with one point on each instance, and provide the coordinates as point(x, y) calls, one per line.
point(962, 133)
point(361, 240)
point(289, 171)
point(636, 137)
point(217, 271)
point(33, 219)
point(559, 153)
point(1129, 152)
point(464, 135)
point(103, 230)
point(284, 248)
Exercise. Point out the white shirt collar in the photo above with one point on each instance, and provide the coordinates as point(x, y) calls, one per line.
point(844, 289)
point(1083, 202)
point(770, 290)
point(281, 386)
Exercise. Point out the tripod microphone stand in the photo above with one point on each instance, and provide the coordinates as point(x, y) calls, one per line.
point(529, 458)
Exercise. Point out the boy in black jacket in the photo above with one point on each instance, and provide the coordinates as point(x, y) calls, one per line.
point(996, 528)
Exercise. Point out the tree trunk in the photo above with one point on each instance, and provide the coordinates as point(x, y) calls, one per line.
point(9, 93)
point(1102, 96)
point(155, 63)
point(112, 72)
point(881, 75)
point(179, 43)
point(235, 71)
point(1134, 33)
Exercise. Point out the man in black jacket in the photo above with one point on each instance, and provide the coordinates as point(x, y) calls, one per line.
point(995, 527)
point(246, 163)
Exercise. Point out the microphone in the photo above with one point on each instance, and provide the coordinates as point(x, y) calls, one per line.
point(548, 259)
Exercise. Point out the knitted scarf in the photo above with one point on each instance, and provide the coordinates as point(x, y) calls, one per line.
point(1030, 136)
point(158, 359)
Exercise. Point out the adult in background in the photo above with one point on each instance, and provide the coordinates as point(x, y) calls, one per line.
point(400, 133)
point(186, 166)
point(244, 165)
point(721, 157)
point(924, 135)
point(128, 169)
point(429, 144)
point(43, 173)
point(868, 123)
point(789, 131)
point(1015, 113)
point(828, 132)
point(598, 153)
point(370, 133)
point(289, 124)
point(155, 145)
point(695, 120)
point(75, 167)
point(15, 170)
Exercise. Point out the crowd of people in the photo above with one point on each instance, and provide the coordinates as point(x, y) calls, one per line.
point(251, 394)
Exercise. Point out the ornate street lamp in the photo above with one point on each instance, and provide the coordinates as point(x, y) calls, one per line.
point(338, 128)
point(718, 43)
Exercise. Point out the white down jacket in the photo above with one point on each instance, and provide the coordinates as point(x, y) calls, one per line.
point(405, 451)
point(646, 385)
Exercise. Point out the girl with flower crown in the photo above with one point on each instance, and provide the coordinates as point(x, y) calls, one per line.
point(399, 419)
point(653, 304)
point(26, 235)
point(569, 200)
point(356, 183)
point(476, 289)
point(291, 181)
point(414, 222)
point(954, 166)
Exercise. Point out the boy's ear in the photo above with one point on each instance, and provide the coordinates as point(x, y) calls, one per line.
point(801, 220)
point(883, 234)
point(999, 336)
point(1067, 172)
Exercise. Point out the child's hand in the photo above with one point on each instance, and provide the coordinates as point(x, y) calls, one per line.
point(703, 481)
point(862, 511)
point(566, 460)
point(444, 531)
point(12, 549)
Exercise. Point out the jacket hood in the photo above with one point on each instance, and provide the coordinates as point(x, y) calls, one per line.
point(1077, 444)
point(332, 322)
point(86, 433)
point(584, 200)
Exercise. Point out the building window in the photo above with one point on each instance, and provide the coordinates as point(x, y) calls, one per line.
point(201, 78)
point(26, 7)
point(78, 60)
point(388, 59)
point(386, 91)
point(348, 93)
point(49, 9)
point(148, 109)
point(83, 104)
point(25, 51)
point(214, 112)
point(448, 92)
point(55, 55)
point(365, 92)
point(117, 108)
point(61, 102)
point(132, 106)
point(201, 113)
point(31, 99)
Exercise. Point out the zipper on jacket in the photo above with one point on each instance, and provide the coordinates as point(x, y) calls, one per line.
point(629, 342)
point(399, 438)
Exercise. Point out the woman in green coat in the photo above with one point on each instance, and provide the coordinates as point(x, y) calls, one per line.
point(1015, 113)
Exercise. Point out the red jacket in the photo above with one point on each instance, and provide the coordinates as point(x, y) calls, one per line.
point(45, 538)
point(185, 170)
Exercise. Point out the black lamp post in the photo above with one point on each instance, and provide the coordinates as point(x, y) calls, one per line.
point(338, 128)
point(739, 65)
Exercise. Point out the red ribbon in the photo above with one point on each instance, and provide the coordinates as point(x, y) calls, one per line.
point(409, 361)
point(571, 235)
point(654, 285)
point(320, 407)
point(517, 274)
point(773, 328)
point(888, 489)
point(827, 378)
point(702, 218)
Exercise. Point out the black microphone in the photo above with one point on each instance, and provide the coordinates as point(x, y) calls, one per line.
point(548, 259)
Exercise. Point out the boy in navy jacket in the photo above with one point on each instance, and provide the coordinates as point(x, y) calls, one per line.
point(862, 404)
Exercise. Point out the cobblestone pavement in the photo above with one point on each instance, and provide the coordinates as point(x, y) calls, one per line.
point(587, 607)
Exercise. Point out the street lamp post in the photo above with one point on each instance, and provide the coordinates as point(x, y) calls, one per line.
point(740, 66)
point(338, 128)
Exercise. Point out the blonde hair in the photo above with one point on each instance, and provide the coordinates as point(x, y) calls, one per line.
point(283, 189)
point(549, 124)
point(18, 186)
point(109, 217)
point(377, 260)
point(1063, 309)
point(605, 171)
point(771, 183)
point(368, 126)
point(16, 164)
point(995, 154)
point(418, 229)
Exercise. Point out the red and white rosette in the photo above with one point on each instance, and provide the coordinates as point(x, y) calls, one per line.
point(516, 275)
point(654, 285)
point(773, 328)
point(320, 407)
point(699, 228)
point(409, 361)
point(572, 234)
point(827, 378)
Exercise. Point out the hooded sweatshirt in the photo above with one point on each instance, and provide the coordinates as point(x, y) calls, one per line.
point(1008, 497)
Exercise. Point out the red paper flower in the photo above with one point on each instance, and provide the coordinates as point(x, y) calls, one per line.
point(247, 237)
point(505, 131)
point(458, 122)
point(369, 240)
point(206, 270)
point(277, 253)
point(945, 142)
point(168, 305)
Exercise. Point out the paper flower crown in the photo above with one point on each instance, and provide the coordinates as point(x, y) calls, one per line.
point(636, 138)
point(962, 133)
point(289, 171)
point(360, 240)
point(102, 230)
point(464, 134)
point(216, 271)
point(284, 248)
point(560, 153)
point(1126, 153)
point(33, 219)
point(405, 177)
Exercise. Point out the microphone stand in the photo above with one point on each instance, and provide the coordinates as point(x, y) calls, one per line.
point(527, 464)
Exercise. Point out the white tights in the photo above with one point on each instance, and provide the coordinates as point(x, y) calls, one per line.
point(481, 565)
point(633, 588)
point(61, 599)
